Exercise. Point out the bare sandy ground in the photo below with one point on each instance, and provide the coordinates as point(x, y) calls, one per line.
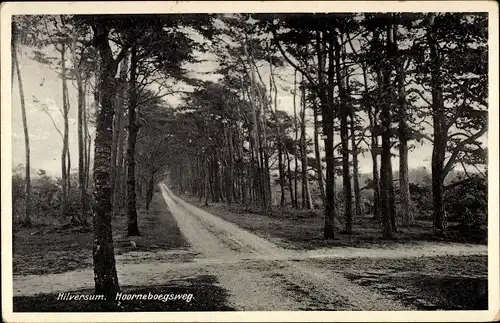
point(257, 274)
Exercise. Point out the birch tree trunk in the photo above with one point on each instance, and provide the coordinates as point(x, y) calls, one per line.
point(317, 154)
point(307, 202)
point(65, 157)
point(26, 221)
point(105, 277)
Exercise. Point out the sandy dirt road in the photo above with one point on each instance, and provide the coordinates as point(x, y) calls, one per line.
point(257, 274)
point(261, 274)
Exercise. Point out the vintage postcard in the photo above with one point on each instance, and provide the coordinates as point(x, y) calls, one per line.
point(250, 161)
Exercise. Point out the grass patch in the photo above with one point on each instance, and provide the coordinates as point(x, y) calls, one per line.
point(432, 265)
point(207, 296)
point(157, 227)
point(428, 283)
point(50, 249)
point(431, 292)
point(303, 229)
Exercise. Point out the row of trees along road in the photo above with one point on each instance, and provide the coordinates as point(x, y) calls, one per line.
point(380, 82)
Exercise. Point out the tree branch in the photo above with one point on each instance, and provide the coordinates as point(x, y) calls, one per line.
point(481, 173)
point(285, 56)
point(421, 95)
point(53, 122)
point(456, 114)
point(460, 146)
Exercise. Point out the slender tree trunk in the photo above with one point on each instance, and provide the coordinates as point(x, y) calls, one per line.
point(317, 155)
point(240, 161)
point(404, 183)
point(213, 182)
point(201, 179)
point(105, 277)
point(85, 135)
point(290, 186)
point(231, 191)
point(344, 139)
point(65, 160)
point(68, 167)
point(374, 148)
point(354, 149)
point(81, 139)
point(440, 134)
point(263, 145)
point(355, 170)
point(95, 111)
point(255, 137)
point(89, 149)
point(386, 183)
point(118, 138)
point(327, 108)
point(296, 131)
point(262, 153)
point(26, 221)
point(114, 149)
point(68, 176)
point(64, 181)
point(281, 170)
point(207, 180)
point(133, 129)
point(392, 199)
point(149, 196)
point(122, 168)
point(321, 94)
point(181, 180)
point(307, 203)
point(267, 171)
point(384, 176)
point(375, 177)
point(140, 187)
point(216, 179)
point(66, 107)
point(85, 138)
point(253, 173)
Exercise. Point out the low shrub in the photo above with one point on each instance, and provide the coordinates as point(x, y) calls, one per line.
point(467, 203)
point(46, 200)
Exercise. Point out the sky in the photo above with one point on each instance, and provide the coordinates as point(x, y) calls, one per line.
point(42, 83)
point(45, 141)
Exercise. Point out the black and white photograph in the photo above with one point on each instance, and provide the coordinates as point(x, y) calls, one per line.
point(196, 159)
